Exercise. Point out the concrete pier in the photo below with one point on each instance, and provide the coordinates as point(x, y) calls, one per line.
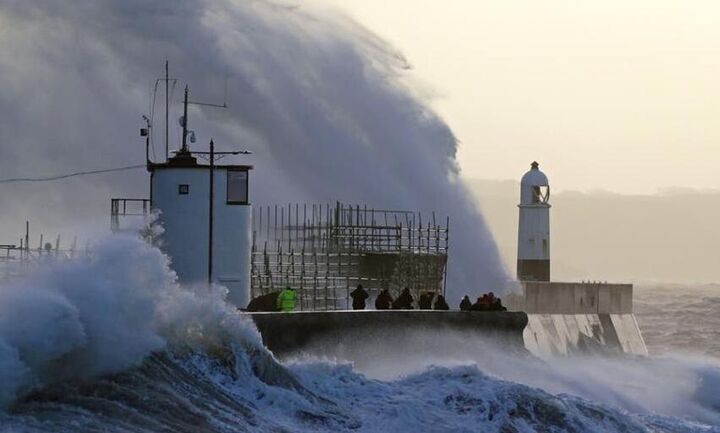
point(547, 319)
point(579, 318)
point(292, 332)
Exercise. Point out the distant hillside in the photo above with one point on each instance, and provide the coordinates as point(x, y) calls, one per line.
point(670, 237)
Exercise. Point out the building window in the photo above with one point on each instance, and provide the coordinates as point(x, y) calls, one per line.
point(183, 189)
point(541, 194)
point(237, 187)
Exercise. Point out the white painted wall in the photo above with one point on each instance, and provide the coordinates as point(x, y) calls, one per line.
point(185, 221)
point(534, 222)
point(533, 230)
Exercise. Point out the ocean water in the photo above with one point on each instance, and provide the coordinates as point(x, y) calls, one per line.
point(112, 344)
point(679, 318)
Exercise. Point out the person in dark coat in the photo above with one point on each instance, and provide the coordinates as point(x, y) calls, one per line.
point(404, 301)
point(384, 300)
point(495, 303)
point(491, 300)
point(359, 295)
point(465, 304)
point(440, 303)
point(482, 303)
point(425, 301)
point(266, 302)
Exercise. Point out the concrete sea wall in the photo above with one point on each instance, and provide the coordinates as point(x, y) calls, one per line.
point(297, 331)
point(579, 318)
point(547, 319)
point(568, 334)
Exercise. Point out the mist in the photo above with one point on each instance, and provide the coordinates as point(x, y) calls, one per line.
point(682, 386)
point(329, 110)
point(667, 237)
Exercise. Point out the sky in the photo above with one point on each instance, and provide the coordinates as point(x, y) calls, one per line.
point(615, 96)
point(610, 95)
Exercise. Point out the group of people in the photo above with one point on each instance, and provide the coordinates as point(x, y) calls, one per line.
point(385, 301)
point(285, 301)
point(486, 302)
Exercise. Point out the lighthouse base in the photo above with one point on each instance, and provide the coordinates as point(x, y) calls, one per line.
point(533, 270)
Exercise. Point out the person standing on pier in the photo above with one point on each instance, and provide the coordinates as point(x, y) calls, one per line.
point(426, 300)
point(441, 304)
point(404, 301)
point(465, 304)
point(359, 295)
point(384, 300)
point(286, 300)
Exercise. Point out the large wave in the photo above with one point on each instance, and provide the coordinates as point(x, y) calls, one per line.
point(329, 110)
point(194, 392)
point(112, 343)
point(104, 313)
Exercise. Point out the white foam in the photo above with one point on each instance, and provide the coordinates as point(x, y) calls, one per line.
point(104, 313)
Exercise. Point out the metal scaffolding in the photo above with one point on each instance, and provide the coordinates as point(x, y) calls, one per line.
point(324, 251)
point(17, 260)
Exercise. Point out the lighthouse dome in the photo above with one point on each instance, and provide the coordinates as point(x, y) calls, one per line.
point(534, 187)
point(534, 176)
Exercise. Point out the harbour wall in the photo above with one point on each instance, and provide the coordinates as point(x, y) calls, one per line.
point(299, 331)
point(547, 319)
point(578, 318)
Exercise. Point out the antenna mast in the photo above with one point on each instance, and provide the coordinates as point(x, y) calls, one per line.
point(167, 111)
point(185, 122)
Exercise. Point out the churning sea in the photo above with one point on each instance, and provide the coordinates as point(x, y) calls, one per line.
point(114, 345)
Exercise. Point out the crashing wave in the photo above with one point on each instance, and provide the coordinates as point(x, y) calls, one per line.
point(111, 343)
point(246, 390)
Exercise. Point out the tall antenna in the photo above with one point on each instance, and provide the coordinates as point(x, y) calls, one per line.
point(167, 110)
point(185, 122)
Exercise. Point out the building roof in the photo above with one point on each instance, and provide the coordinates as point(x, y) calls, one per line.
point(186, 160)
point(163, 166)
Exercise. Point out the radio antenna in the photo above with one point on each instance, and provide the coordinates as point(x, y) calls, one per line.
point(208, 104)
point(167, 110)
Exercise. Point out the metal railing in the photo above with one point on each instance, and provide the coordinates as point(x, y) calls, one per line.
point(127, 208)
point(19, 260)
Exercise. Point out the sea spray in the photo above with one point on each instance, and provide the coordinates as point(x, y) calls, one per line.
point(680, 386)
point(85, 317)
point(107, 311)
point(330, 111)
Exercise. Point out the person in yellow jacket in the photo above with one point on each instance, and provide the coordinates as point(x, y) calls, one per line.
point(286, 300)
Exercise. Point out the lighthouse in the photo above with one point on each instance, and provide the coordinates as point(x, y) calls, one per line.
point(533, 259)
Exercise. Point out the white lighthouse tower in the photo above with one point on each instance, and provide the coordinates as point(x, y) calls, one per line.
point(533, 260)
point(206, 215)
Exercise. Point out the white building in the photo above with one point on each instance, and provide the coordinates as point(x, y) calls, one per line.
point(533, 262)
point(180, 191)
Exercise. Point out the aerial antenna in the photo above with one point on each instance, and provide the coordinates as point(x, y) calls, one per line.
point(167, 81)
point(167, 110)
point(208, 104)
point(184, 118)
point(184, 122)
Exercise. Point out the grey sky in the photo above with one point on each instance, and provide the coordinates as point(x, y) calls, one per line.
point(323, 103)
